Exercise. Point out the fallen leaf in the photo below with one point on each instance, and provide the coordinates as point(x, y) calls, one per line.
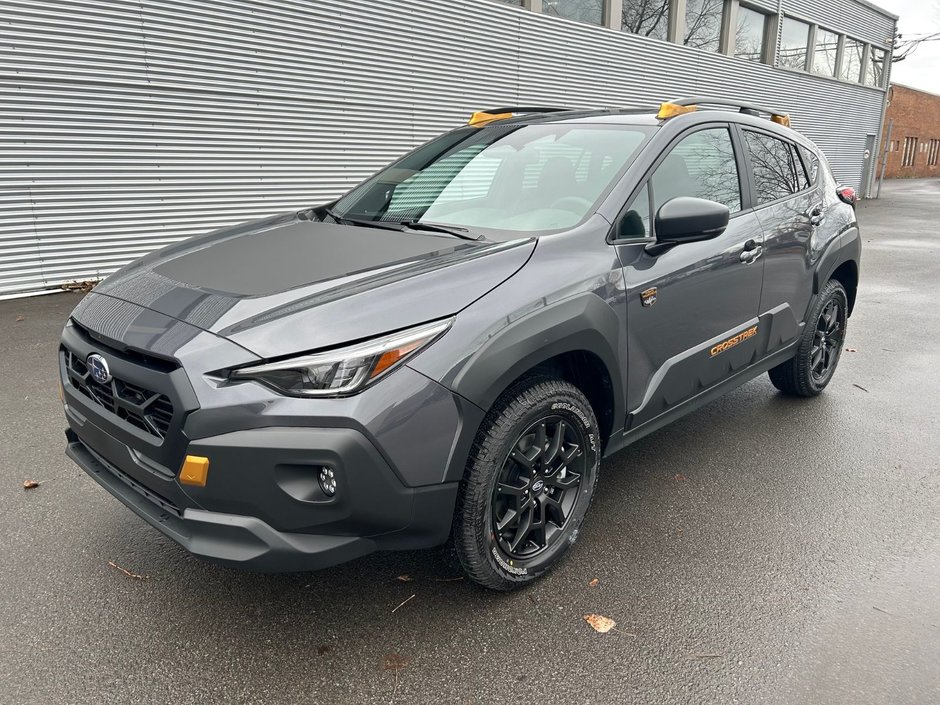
point(30, 484)
point(600, 623)
point(84, 286)
point(323, 650)
point(394, 662)
point(593, 583)
point(680, 477)
point(859, 386)
point(851, 350)
point(135, 576)
point(405, 578)
point(20, 319)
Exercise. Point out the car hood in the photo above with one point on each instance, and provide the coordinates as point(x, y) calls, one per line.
point(284, 285)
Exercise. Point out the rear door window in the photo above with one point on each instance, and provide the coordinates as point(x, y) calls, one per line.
point(778, 173)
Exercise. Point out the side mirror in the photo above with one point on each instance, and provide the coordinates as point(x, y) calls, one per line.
point(687, 219)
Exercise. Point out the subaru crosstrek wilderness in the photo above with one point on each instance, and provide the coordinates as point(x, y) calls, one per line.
point(448, 350)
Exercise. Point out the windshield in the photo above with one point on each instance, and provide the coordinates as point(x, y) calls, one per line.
point(514, 178)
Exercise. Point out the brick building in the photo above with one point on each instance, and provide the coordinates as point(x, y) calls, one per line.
point(914, 147)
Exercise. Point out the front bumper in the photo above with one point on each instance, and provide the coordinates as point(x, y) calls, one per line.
point(231, 539)
point(370, 511)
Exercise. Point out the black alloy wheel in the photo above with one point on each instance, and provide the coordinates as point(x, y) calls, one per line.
point(537, 487)
point(827, 341)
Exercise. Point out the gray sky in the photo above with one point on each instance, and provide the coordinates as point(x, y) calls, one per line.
point(922, 68)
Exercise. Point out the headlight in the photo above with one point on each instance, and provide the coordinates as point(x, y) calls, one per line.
point(344, 370)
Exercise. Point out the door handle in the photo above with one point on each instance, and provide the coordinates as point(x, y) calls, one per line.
point(752, 250)
point(816, 215)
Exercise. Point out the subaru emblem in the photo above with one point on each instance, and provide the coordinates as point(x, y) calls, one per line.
point(98, 368)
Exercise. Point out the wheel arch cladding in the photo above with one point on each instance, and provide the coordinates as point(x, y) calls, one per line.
point(574, 339)
point(840, 262)
point(847, 275)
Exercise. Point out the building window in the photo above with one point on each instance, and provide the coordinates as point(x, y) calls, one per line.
point(824, 58)
point(910, 151)
point(852, 60)
point(794, 42)
point(876, 68)
point(591, 11)
point(932, 152)
point(648, 18)
point(749, 35)
point(703, 24)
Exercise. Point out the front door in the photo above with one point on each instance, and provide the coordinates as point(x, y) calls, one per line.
point(692, 310)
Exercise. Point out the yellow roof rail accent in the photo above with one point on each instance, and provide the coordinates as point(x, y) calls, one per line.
point(668, 110)
point(485, 117)
point(782, 119)
point(481, 118)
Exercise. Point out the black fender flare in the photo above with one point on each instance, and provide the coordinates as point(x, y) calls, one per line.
point(584, 322)
point(847, 247)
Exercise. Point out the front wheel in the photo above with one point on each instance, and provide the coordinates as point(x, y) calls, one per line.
point(529, 482)
point(811, 369)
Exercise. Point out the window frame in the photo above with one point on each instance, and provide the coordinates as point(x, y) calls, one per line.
point(913, 143)
point(765, 37)
point(836, 68)
point(810, 47)
point(757, 205)
point(643, 181)
point(933, 152)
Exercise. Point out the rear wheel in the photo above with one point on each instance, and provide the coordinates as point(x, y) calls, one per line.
point(528, 483)
point(812, 368)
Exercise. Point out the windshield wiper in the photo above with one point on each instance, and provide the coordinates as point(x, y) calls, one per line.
point(346, 220)
point(456, 231)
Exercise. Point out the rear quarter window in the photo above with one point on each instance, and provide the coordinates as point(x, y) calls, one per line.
point(778, 173)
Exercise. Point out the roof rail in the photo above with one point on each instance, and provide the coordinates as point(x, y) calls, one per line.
point(689, 105)
point(484, 117)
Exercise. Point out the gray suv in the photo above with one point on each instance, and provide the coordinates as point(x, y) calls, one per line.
point(447, 351)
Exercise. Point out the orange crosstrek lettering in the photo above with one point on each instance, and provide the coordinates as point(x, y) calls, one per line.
point(731, 342)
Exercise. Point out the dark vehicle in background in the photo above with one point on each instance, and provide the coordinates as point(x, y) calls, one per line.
point(448, 350)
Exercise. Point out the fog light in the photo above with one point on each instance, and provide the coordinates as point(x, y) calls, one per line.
point(327, 481)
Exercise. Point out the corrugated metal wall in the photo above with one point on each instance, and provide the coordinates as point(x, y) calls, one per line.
point(128, 125)
point(856, 19)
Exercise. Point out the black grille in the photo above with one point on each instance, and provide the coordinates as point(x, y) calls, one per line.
point(149, 411)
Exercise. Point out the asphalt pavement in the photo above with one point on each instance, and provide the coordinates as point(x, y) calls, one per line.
point(760, 550)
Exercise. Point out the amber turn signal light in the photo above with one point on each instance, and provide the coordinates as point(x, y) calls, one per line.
point(195, 471)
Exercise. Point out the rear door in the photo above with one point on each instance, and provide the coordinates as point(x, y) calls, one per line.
point(790, 209)
point(692, 310)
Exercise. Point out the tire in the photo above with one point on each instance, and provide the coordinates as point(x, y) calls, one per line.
point(506, 473)
point(808, 372)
